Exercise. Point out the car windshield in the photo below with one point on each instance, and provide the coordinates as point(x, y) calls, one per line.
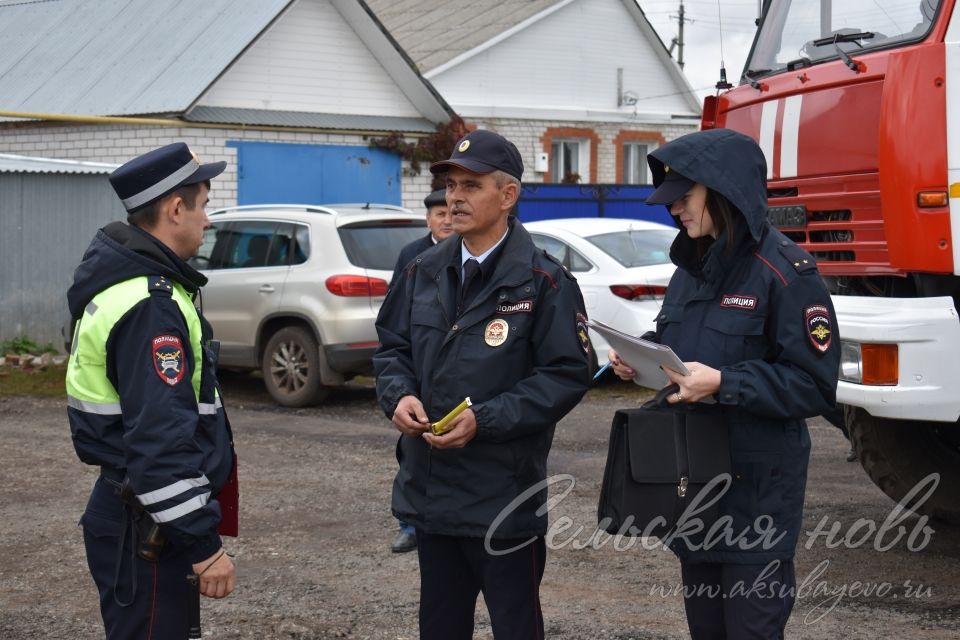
point(799, 33)
point(636, 247)
point(377, 245)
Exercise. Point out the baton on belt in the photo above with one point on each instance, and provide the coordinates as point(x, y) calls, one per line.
point(193, 607)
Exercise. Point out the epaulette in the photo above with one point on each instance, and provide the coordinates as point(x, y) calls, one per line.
point(800, 259)
point(160, 286)
point(554, 260)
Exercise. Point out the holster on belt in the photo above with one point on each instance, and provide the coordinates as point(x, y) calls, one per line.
point(150, 541)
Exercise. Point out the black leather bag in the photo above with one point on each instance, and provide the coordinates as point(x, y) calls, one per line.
point(660, 457)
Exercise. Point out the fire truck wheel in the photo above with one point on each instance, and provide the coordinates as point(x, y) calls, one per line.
point(899, 454)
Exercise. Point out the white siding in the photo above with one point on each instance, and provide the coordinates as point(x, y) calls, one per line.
point(310, 60)
point(566, 61)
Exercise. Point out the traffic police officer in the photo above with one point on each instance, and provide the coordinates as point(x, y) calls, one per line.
point(144, 404)
point(489, 316)
point(751, 318)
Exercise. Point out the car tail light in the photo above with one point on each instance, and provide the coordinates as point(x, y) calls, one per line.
point(638, 291)
point(356, 286)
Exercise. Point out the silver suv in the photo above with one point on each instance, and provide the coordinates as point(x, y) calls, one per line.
point(295, 289)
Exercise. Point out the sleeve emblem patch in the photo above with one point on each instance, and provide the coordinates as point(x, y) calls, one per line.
point(168, 358)
point(818, 328)
point(582, 333)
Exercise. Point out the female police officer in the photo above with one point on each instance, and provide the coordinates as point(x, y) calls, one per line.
point(750, 317)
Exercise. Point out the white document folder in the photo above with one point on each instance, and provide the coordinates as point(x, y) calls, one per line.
point(643, 356)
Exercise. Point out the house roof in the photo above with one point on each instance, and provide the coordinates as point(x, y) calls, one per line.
point(441, 34)
point(156, 57)
point(434, 32)
point(346, 122)
point(121, 57)
point(10, 163)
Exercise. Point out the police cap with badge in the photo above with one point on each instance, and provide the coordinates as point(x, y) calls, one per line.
point(483, 151)
point(155, 174)
point(673, 187)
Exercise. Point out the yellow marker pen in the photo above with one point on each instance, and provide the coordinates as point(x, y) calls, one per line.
point(439, 427)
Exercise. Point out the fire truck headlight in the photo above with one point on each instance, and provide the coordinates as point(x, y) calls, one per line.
point(851, 365)
point(869, 364)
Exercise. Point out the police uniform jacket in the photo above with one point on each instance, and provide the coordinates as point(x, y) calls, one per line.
point(173, 441)
point(518, 350)
point(759, 312)
point(411, 251)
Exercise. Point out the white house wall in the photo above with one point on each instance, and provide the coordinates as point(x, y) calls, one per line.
point(310, 59)
point(564, 66)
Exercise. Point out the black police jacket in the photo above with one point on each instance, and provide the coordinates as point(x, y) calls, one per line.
point(411, 251)
point(516, 351)
point(760, 313)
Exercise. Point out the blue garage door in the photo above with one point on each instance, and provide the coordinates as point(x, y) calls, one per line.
point(315, 174)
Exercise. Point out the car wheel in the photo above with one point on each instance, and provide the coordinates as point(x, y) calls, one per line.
point(291, 368)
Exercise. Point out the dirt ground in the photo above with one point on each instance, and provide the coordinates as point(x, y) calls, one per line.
point(314, 560)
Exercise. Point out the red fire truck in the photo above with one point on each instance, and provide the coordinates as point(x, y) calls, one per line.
point(856, 105)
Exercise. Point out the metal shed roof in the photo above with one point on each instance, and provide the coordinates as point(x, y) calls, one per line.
point(10, 163)
point(121, 57)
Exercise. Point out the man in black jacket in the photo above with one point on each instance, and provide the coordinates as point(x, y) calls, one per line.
point(440, 223)
point(488, 316)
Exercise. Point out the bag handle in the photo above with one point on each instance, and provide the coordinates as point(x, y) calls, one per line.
point(659, 401)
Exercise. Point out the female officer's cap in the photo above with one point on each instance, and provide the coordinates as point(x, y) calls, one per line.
point(149, 177)
point(673, 187)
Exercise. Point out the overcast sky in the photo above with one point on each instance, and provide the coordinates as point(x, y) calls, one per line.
point(701, 54)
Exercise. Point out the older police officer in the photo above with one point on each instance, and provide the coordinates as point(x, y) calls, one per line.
point(484, 315)
point(144, 404)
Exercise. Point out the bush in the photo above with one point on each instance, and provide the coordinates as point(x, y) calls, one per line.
point(23, 344)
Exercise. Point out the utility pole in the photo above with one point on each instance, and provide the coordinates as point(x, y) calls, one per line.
point(680, 37)
point(678, 41)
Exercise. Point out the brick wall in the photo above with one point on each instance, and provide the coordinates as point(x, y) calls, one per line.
point(119, 143)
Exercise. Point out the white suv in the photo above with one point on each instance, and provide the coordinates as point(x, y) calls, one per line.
point(295, 289)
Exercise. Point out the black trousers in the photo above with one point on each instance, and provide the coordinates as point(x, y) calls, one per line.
point(139, 600)
point(454, 570)
point(738, 601)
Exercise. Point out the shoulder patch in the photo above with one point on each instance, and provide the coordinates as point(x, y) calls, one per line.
point(168, 359)
point(582, 332)
point(800, 259)
point(817, 325)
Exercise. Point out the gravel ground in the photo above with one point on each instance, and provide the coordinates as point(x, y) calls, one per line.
point(314, 559)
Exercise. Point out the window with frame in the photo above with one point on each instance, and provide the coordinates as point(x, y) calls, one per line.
point(567, 255)
point(247, 244)
point(565, 160)
point(634, 156)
